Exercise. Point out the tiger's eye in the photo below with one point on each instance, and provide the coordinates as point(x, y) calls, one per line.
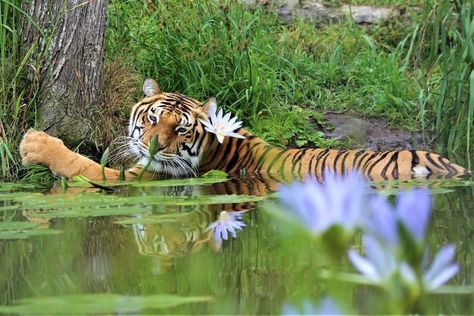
point(181, 130)
point(152, 119)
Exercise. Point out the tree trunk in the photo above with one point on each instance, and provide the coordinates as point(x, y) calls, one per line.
point(70, 57)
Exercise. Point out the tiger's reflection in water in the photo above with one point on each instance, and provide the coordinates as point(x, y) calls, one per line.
point(184, 230)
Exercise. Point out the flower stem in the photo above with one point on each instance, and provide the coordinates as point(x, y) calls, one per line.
point(152, 150)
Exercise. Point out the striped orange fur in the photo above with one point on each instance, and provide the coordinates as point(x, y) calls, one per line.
point(253, 155)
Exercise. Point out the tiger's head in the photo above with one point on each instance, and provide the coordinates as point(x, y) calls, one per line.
point(174, 118)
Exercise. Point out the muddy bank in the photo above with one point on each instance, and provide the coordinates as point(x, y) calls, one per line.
point(370, 133)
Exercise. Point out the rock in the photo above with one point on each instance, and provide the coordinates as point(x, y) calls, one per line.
point(316, 11)
point(370, 15)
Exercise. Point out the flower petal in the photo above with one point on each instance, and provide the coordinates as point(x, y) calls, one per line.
point(364, 266)
point(383, 222)
point(220, 138)
point(236, 135)
point(414, 210)
point(446, 274)
point(382, 258)
point(443, 258)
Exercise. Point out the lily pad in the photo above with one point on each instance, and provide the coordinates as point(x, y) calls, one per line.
point(10, 186)
point(21, 230)
point(213, 176)
point(99, 304)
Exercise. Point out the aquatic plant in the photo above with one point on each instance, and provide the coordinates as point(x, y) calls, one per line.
point(227, 223)
point(396, 251)
point(396, 243)
point(319, 207)
point(220, 124)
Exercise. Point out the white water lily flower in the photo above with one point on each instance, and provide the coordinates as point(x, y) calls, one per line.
point(221, 125)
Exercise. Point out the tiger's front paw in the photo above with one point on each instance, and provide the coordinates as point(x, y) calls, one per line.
point(40, 148)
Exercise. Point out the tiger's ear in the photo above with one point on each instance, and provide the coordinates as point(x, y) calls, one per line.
point(209, 106)
point(150, 87)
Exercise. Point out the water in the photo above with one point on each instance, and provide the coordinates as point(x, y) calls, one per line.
point(152, 251)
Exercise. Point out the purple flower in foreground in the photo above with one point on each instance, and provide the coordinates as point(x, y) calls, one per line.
point(380, 266)
point(325, 307)
point(339, 201)
point(227, 222)
point(442, 268)
point(413, 211)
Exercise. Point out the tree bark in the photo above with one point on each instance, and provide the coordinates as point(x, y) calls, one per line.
point(69, 61)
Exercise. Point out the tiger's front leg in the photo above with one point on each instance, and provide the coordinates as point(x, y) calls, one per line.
point(40, 148)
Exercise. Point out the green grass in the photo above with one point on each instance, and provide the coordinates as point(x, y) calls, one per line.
point(17, 93)
point(10, 96)
point(444, 54)
point(269, 74)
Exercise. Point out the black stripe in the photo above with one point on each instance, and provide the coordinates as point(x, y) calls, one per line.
point(395, 171)
point(301, 163)
point(261, 160)
point(334, 164)
point(447, 166)
point(415, 161)
point(343, 163)
point(235, 156)
point(356, 156)
point(392, 160)
point(377, 161)
point(315, 157)
point(249, 155)
point(323, 164)
point(430, 160)
point(295, 161)
point(319, 158)
point(227, 149)
point(368, 161)
point(275, 159)
point(357, 166)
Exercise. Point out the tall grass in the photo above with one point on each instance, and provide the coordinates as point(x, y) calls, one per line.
point(17, 93)
point(445, 54)
point(270, 75)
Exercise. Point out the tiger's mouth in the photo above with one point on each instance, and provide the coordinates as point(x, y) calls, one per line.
point(170, 164)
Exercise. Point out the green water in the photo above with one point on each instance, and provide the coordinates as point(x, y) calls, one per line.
point(145, 249)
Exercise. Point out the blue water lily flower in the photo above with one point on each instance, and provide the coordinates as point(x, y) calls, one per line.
point(318, 207)
point(381, 265)
point(413, 211)
point(442, 269)
point(227, 223)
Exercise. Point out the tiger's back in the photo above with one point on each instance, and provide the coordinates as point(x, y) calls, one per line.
point(253, 155)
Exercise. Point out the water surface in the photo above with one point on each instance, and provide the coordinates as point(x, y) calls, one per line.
point(146, 248)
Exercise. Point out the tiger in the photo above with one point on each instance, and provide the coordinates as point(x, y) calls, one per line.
point(187, 149)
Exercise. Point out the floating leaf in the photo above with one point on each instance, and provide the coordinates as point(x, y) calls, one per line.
point(20, 230)
point(99, 304)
